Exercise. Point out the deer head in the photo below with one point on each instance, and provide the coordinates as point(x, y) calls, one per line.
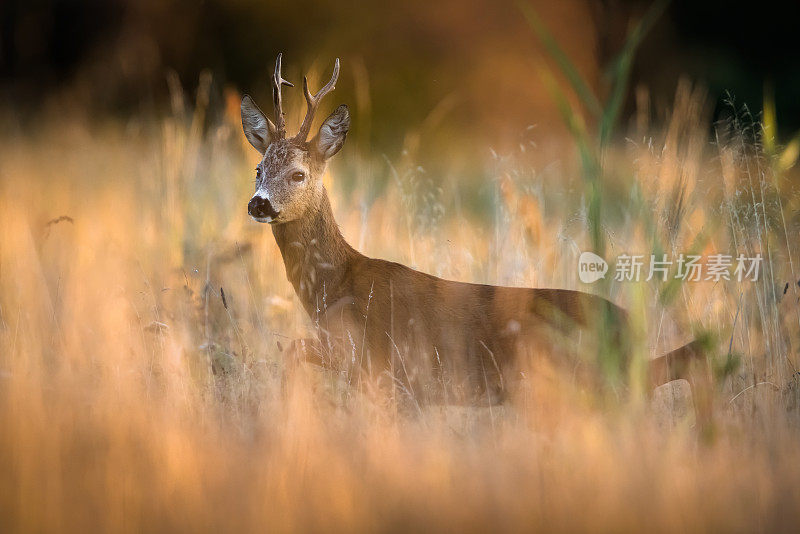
point(289, 177)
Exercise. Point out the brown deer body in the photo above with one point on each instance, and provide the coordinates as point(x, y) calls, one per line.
point(433, 336)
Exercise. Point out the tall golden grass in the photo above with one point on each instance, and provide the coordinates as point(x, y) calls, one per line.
point(133, 398)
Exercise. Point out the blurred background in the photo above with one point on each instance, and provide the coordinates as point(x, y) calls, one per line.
point(466, 70)
point(144, 382)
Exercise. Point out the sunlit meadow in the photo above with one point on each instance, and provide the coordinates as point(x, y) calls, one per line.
point(143, 317)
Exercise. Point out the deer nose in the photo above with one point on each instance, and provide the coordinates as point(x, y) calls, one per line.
point(260, 208)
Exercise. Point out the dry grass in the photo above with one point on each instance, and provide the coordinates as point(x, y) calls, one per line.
point(132, 399)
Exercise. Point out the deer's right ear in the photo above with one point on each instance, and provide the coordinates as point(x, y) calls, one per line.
point(258, 129)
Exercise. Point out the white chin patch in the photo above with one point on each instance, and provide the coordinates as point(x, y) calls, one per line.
point(262, 219)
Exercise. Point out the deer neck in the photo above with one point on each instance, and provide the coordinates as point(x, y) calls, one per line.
point(316, 257)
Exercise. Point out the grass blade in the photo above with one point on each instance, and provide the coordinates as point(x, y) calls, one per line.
point(620, 68)
point(550, 44)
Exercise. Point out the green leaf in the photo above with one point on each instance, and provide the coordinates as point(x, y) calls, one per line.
point(770, 123)
point(620, 68)
point(790, 154)
point(574, 78)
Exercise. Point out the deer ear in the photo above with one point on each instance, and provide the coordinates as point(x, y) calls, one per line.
point(332, 133)
point(258, 129)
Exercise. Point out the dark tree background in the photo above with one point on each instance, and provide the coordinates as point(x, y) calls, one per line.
point(472, 63)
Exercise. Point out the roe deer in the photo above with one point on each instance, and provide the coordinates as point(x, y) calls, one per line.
point(379, 315)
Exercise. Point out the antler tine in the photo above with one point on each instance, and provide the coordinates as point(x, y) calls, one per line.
point(313, 101)
point(277, 82)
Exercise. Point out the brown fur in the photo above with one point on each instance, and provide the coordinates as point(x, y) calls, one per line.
point(434, 337)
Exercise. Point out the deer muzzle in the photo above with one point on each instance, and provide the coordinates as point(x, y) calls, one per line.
point(260, 209)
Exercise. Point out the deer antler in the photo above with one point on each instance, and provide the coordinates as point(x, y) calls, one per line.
point(313, 101)
point(277, 82)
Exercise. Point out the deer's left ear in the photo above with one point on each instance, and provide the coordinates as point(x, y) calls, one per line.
point(332, 133)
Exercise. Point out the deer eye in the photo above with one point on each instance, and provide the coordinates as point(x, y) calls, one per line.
point(298, 176)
